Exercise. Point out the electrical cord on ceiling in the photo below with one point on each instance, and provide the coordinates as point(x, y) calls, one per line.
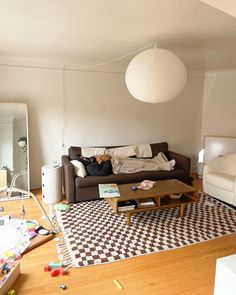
point(112, 60)
point(82, 68)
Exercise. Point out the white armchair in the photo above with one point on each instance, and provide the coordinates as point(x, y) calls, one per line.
point(219, 178)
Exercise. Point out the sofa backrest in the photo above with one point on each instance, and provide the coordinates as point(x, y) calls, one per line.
point(159, 147)
point(156, 148)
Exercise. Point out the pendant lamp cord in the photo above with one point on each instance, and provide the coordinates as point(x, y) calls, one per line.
point(154, 44)
point(114, 59)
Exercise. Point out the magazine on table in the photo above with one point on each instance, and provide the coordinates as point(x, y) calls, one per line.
point(108, 190)
point(146, 185)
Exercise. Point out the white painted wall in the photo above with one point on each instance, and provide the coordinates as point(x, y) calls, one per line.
point(98, 110)
point(102, 112)
point(41, 90)
point(219, 107)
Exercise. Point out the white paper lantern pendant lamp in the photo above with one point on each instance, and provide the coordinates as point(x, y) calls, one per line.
point(155, 75)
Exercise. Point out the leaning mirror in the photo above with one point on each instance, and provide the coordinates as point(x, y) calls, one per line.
point(14, 147)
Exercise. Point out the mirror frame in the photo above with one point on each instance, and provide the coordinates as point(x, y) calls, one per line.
point(27, 135)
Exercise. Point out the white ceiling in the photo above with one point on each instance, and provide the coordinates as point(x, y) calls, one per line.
point(81, 32)
point(228, 6)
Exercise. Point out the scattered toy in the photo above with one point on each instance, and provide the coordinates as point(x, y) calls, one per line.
point(42, 231)
point(118, 284)
point(62, 207)
point(58, 271)
point(63, 287)
point(47, 268)
point(11, 292)
point(56, 264)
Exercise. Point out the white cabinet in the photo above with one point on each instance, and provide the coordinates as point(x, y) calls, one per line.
point(225, 279)
point(51, 184)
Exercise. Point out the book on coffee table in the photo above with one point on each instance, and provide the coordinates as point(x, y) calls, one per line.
point(144, 203)
point(108, 190)
point(126, 205)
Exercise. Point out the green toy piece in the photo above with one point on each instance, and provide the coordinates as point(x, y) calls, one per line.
point(62, 207)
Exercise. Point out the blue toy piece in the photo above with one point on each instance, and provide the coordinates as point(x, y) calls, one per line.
point(56, 265)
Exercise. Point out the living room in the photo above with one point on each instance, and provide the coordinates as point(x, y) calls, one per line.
point(45, 51)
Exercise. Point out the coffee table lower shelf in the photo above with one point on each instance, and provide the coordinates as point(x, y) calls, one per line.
point(160, 201)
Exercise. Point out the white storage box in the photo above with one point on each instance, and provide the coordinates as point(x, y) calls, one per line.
point(51, 184)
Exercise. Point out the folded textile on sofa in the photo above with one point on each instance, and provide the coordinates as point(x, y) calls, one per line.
point(122, 152)
point(92, 151)
point(131, 165)
point(143, 151)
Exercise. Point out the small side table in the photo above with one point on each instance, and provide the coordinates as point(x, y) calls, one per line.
point(225, 278)
point(51, 184)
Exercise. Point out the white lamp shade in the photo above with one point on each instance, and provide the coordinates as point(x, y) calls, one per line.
point(155, 75)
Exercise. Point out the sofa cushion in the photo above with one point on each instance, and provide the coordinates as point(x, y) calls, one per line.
point(92, 151)
point(221, 180)
point(156, 148)
point(176, 173)
point(143, 151)
point(74, 152)
point(79, 168)
point(159, 147)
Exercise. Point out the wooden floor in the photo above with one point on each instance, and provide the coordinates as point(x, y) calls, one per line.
point(188, 270)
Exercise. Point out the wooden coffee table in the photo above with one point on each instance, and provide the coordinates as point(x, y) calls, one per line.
point(160, 193)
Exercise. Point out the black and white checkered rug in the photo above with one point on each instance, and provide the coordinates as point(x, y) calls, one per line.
point(94, 234)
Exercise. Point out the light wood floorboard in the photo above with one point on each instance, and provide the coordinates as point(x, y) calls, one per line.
point(189, 270)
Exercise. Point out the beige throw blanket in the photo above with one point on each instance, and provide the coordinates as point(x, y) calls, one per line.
point(131, 165)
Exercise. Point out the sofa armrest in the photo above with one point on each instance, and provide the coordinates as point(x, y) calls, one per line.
point(182, 162)
point(68, 179)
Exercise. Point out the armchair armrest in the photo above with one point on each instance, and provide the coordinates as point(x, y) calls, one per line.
point(224, 164)
point(182, 162)
point(68, 179)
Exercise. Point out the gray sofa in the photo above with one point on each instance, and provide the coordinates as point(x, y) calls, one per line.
point(78, 189)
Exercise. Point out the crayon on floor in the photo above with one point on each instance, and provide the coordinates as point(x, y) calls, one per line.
point(118, 284)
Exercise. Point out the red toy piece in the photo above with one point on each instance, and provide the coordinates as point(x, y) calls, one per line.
point(56, 271)
point(47, 268)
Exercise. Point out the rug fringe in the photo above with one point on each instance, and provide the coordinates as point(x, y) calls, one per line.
point(62, 250)
point(63, 253)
